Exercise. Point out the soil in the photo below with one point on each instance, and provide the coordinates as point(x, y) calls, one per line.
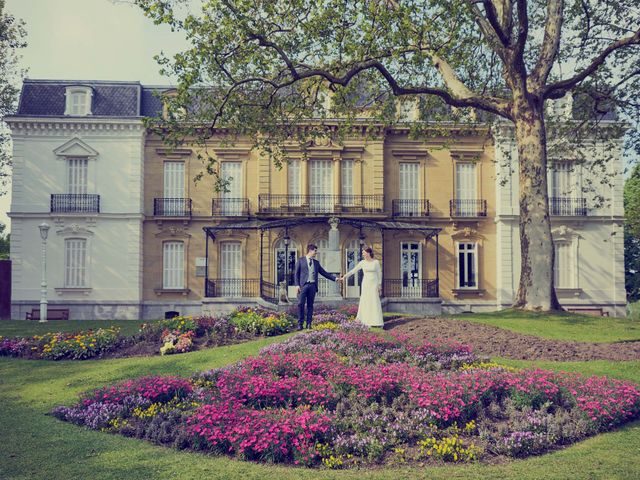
point(498, 342)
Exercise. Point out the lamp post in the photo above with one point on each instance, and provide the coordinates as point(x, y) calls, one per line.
point(44, 231)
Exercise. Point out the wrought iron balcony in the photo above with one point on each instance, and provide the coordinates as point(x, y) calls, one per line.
point(230, 207)
point(410, 208)
point(172, 207)
point(232, 287)
point(410, 288)
point(75, 203)
point(567, 207)
point(468, 208)
point(319, 204)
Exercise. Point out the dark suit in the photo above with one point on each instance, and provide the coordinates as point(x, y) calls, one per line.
point(308, 287)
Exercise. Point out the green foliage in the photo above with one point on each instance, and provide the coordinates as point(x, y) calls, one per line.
point(5, 243)
point(12, 35)
point(261, 323)
point(632, 234)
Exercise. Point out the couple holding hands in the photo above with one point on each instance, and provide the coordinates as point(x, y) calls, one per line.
point(306, 279)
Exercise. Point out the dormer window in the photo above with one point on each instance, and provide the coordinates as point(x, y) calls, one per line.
point(78, 101)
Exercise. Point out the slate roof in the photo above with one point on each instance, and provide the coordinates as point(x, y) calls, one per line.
point(110, 99)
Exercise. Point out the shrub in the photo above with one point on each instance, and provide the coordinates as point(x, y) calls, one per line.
point(261, 322)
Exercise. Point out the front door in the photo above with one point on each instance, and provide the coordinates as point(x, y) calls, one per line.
point(231, 199)
point(411, 269)
point(231, 269)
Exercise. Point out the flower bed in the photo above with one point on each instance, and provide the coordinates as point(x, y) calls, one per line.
point(348, 397)
point(177, 335)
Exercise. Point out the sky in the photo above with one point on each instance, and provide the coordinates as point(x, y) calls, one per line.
point(90, 40)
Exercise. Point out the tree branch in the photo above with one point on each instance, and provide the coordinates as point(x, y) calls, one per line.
point(550, 44)
point(492, 16)
point(558, 89)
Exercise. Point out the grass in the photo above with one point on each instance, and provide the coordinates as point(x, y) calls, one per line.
point(37, 446)
point(26, 328)
point(562, 326)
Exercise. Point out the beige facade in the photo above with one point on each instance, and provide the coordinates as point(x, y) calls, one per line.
point(369, 181)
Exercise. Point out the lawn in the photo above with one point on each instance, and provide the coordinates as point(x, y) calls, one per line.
point(563, 326)
point(37, 446)
point(23, 328)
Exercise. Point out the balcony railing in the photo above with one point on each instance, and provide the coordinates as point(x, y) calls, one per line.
point(233, 287)
point(410, 208)
point(230, 207)
point(410, 288)
point(319, 204)
point(75, 203)
point(172, 207)
point(567, 207)
point(468, 208)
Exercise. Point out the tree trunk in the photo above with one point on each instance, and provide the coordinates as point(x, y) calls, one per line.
point(536, 290)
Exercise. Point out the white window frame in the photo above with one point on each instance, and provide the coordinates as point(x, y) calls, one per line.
point(409, 189)
point(467, 251)
point(77, 175)
point(346, 182)
point(293, 252)
point(231, 289)
point(76, 262)
point(466, 188)
point(571, 246)
point(412, 289)
point(173, 266)
point(294, 182)
point(78, 101)
point(231, 200)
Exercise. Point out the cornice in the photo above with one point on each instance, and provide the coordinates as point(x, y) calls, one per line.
point(63, 126)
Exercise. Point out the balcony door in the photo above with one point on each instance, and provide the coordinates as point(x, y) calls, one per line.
point(174, 197)
point(409, 190)
point(466, 190)
point(411, 269)
point(321, 186)
point(231, 199)
point(293, 176)
point(231, 279)
point(351, 259)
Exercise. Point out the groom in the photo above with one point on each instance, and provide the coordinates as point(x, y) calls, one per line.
point(306, 278)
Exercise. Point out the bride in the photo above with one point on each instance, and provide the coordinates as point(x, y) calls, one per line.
point(369, 309)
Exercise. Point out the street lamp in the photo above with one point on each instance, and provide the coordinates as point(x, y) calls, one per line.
point(44, 231)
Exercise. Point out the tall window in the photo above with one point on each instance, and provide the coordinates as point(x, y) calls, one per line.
point(77, 175)
point(467, 265)
point(562, 180)
point(173, 265)
point(294, 183)
point(321, 186)
point(346, 182)
point(466, 190)
point(409, 189)
point(231, 197)
point(351, 259)
point(564, 269)
point(75, 263)
point(231, 269)
point(174, 203)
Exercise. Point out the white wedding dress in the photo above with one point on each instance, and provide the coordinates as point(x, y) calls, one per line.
point(369, 308)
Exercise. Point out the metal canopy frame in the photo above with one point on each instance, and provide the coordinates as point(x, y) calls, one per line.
point(268, 289)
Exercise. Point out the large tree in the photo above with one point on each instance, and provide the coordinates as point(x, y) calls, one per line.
point(264, 67)
point(12, 35)
point(632, 234)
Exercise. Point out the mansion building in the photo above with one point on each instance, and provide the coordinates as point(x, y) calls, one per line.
point(134, 237)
